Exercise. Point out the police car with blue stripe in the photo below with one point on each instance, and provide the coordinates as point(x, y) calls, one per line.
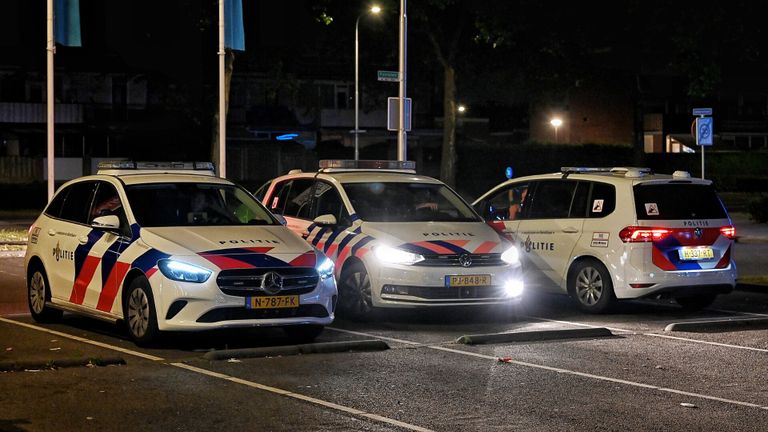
point(397, 239)
point(168, 246)
point(607, 234)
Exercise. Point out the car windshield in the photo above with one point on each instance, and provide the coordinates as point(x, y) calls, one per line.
point(195, 204)
point(407, 202)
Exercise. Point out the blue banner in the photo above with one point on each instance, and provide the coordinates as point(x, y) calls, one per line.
point(66, 22)
point(234, 35)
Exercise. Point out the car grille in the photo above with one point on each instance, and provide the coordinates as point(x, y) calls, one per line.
point(478, 260)
point(247, 282)
point(239, 313)
point(445, 293)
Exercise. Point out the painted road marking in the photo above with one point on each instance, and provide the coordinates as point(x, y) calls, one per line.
point(569, 372)
point(84, 340)
point(281, 392)
point(707, 342)
point(251, 384)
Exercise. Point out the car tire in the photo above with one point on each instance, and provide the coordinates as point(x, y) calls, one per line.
point(355, 292)
point(590, 286)
point(38, 294)
point(139, 312)
point(303, 333)
point(696, 302)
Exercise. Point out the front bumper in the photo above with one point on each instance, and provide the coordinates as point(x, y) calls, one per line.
point(183, 306)
point(421, 286)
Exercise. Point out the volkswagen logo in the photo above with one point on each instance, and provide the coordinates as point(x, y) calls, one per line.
point(272, 282)
point(465, 260)
point(698, 232)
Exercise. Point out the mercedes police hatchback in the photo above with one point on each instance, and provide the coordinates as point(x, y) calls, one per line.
point(398, 239)
point(168, 246)
point(602, 234)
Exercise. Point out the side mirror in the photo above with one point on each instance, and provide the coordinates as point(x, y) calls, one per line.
point(281, 219)
point(107, 223)
point(326, 219)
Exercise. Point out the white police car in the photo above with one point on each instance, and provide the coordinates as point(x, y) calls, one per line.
point(398, 239)
point(602, 234)
point(168, 246)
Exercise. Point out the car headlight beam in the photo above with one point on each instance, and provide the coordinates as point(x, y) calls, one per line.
point(511, 256)
point(392, 255)
point(324, 267)
point(183, 272)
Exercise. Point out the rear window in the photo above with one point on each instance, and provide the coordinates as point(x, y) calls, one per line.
point(674, 201)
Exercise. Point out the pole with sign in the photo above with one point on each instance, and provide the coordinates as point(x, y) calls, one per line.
point(703, 131)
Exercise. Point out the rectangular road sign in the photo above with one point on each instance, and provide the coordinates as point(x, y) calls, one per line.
point(702, 111)
point(393, 114)
point(392, 76)
point(704, 133)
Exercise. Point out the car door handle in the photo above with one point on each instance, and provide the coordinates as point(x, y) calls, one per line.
point(570, 230)
point(82, 240)
point(51, 232)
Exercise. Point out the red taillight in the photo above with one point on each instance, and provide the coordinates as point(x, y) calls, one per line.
point(728, 231)
point(635, 234)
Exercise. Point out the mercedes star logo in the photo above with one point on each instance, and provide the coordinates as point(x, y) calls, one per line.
point(272, 282)
point(465, 260)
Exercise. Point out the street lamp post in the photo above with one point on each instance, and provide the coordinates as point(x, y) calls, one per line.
point(374, 10)
point(556, 123)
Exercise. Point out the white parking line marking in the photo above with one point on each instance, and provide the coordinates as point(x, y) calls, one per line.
point(84, 340)
point(580, 374)
point(376, 336)
point(740, 313)
point(281, 392)
point(707, 342)
point(275, 390)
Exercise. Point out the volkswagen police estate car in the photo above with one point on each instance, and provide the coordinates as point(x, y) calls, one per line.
point(168, 246)
point(602, 234)
point(398, 239)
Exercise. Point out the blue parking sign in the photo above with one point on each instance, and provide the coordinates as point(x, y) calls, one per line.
point(704, 132)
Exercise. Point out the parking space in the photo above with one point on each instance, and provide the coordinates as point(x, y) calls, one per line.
point(640, 377)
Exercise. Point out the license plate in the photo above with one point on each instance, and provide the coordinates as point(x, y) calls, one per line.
point(467, 280)
point(272, 302)
point(693, 254)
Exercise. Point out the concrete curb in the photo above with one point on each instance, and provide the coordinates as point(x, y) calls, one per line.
point(715, 325)
point(287, 350)
point(16, 366)
point(537, 335)
point(12, 254)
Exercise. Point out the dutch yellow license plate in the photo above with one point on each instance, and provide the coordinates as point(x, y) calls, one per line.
point(693, 254)
point(273, 302)
point(467, 280)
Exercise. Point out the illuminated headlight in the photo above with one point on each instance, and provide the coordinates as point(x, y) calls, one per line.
point(514, 288)
point(324, 267)
point(511, 256)
point(183, 272)
point(392, 255)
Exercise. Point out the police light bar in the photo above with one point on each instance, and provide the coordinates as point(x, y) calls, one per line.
point(347, 164)
point(131, 165)
point(627, 171)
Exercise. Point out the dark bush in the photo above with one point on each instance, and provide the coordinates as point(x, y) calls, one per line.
point(758, 209)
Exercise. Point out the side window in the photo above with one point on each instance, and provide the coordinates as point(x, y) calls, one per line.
point(579, 206)
point(277, 202)
point(297, 199)
point(107, 202)
point(551, 200)
point(328, 201)
point(506, 204)
point(603, 200)
point(54, 208)
point(78, 202)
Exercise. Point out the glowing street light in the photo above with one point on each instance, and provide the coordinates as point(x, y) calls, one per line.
point(373, 10)
point(556, 123)
point(461, 108)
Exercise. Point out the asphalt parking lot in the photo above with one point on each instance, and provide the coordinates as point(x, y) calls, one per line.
point(544, 366)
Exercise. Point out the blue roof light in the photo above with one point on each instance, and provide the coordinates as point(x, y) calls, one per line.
point(286, 137)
